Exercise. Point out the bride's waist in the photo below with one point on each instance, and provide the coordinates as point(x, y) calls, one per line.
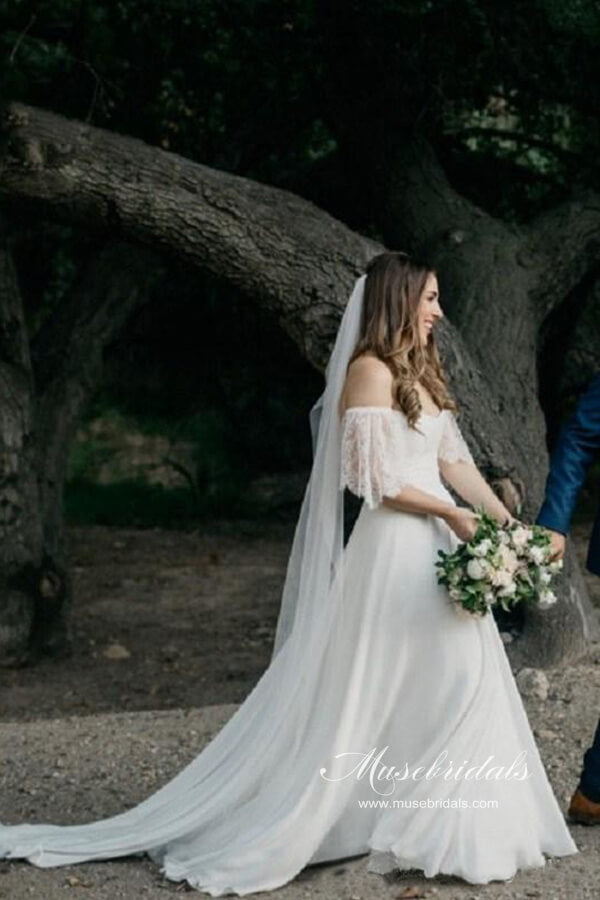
point(425, 478)
point(424, 473)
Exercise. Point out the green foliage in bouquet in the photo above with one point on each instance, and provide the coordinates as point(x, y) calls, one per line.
point(501, 565)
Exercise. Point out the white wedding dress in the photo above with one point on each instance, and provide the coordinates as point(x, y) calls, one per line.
point(404, 674)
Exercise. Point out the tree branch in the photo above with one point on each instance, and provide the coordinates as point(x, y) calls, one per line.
point(285, 252)
point(281, 250)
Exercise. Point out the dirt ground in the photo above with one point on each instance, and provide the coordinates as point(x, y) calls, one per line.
point(172, 630)
point(195, 612)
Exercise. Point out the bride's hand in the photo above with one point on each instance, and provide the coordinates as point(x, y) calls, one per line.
point(463, 522)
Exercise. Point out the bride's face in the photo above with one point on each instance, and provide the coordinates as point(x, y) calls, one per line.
point(429, 310)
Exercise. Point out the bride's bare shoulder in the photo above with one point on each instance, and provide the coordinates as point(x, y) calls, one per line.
point(370, 370)
point(368, 383)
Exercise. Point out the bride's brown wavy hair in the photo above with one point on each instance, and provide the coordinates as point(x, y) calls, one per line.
point(389, 329)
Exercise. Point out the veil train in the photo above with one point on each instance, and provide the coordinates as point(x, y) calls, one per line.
point(234, 819)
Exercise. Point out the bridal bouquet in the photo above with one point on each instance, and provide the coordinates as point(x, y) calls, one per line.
point(500, 566)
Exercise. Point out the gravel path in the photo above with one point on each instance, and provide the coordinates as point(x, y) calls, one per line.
point(76, 769)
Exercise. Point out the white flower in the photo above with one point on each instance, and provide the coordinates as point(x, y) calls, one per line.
point(537, 554)
point(508, 590)
point(504, 537)
point(546, 599)
point(502, 578)
point(482, 548)
point(489, 598)
point(509, 558)
point(456, 576)
point(545, 576)
point(519, 537)
point(556, 565)
point(475, 570)
point(454, 593)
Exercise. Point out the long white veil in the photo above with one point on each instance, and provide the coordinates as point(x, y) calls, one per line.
point(318, 540)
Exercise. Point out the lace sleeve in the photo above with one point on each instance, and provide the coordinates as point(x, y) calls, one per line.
point(453, 447)
point(372, 455)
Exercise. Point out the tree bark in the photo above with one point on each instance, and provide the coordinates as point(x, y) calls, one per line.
point(299, 262)
point(21, 543)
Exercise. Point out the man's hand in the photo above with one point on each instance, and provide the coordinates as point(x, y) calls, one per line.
point(557, 543)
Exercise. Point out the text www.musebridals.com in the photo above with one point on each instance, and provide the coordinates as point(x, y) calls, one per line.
point(428, 804)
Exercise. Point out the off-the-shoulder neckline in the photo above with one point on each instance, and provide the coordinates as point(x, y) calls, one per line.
point(391, 409)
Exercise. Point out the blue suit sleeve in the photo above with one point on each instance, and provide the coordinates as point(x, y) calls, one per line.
point(575, 450)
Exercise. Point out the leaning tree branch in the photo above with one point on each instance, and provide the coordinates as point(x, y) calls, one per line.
point(282, 250)
point(286, 253)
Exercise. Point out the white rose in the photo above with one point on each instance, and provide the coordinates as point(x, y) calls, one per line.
point(519, 537)
point(482, 548)
point(508, 590)
point(537, 554)
point(475, 569)
point(509, 558)
point(546, 599)
point(502, 578)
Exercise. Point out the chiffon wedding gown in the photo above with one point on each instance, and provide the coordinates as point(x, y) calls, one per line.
point(401, 678)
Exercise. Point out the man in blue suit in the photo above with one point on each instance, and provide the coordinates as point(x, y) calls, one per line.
point(577, 447)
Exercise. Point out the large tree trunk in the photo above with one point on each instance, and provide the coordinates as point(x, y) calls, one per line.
point(299, 262)
point(499, 286)
point(23, 587)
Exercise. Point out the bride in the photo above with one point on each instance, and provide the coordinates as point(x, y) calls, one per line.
point(388, 722)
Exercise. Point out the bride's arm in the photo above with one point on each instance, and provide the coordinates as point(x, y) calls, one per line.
point(458, 469)
point(369, 384)
point(411, 499)
point(471, 486)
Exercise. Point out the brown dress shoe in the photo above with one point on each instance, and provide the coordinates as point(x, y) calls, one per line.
point(584, 811)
